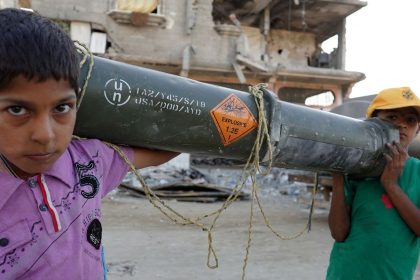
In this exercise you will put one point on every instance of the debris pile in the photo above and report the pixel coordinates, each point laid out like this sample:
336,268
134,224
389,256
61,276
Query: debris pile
179,184
211,184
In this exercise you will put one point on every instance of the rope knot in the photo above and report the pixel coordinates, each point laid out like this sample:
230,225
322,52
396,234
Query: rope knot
257,90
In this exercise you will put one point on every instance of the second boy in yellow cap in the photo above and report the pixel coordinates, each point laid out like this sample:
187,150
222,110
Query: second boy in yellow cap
376,221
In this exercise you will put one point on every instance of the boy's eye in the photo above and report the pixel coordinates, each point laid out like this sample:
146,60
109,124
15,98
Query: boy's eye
63,108
412,120
391,117
17,110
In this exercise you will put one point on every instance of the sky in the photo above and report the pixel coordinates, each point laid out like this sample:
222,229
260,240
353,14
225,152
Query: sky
383,42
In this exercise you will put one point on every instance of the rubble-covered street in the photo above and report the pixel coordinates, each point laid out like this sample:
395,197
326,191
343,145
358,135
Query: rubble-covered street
141,243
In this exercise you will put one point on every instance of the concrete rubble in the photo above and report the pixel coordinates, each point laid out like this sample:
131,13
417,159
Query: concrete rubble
170,182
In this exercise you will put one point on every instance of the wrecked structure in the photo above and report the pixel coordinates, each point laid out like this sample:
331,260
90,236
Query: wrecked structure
225,42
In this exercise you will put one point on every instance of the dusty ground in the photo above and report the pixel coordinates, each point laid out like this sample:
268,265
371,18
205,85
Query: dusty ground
140,243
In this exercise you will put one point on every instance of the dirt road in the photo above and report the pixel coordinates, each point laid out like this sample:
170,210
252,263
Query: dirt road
140,243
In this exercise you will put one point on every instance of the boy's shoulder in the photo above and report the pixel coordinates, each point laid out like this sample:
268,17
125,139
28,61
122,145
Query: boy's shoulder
79,144
88,149
412,169
94,149
413,161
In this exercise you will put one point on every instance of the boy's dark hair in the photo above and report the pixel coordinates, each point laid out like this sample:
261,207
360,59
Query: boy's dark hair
36,48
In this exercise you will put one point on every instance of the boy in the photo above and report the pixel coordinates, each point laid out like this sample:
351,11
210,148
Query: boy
51,186
376,221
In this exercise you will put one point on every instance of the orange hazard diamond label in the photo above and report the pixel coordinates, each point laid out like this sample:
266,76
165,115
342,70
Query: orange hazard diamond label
233,119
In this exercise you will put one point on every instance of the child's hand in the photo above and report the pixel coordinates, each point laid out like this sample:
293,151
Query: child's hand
396,158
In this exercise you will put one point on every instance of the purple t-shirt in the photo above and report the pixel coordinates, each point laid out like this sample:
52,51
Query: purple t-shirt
50,224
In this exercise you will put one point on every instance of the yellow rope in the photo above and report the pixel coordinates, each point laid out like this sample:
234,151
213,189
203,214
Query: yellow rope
263,135
251,168
82,49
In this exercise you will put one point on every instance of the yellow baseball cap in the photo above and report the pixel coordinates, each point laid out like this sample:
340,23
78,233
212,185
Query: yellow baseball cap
394,98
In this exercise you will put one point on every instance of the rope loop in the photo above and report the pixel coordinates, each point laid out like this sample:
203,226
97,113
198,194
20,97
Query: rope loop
251,169
87,54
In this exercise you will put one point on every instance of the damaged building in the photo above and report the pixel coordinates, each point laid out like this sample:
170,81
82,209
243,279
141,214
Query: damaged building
225,42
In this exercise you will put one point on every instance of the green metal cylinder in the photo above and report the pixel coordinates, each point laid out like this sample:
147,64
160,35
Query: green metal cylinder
317,140
136,106
131,105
